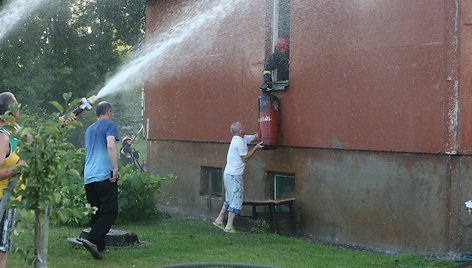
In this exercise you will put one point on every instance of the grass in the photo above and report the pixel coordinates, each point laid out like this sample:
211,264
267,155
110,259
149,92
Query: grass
178,240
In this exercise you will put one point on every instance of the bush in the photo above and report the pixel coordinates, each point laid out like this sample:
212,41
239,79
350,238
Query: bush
137,193
74,197
136,197
51,181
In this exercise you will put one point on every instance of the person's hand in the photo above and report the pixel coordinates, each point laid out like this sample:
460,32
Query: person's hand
21,163
260,145
72,117
266,86
115,176
64,121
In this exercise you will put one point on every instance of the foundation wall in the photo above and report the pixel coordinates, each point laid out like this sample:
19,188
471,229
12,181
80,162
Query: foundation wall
393,202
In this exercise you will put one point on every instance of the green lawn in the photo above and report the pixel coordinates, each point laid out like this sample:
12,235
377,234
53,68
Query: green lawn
178,240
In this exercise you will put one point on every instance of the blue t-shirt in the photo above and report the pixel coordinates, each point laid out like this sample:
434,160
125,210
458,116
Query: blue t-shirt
98,166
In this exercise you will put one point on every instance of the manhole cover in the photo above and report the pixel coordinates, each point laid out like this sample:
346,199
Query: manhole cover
114,238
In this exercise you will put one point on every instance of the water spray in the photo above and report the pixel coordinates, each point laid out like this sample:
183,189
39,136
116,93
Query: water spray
13,13
159,47
85,104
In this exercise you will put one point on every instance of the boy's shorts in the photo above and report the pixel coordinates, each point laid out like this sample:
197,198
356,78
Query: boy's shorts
7,223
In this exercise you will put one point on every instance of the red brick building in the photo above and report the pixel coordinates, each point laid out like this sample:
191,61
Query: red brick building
375,135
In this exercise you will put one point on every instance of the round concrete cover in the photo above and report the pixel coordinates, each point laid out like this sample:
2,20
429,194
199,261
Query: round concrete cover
114,238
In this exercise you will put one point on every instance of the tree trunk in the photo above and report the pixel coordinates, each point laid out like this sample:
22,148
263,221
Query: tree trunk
41,233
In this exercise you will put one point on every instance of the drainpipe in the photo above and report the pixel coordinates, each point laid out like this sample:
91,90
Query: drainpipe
452,8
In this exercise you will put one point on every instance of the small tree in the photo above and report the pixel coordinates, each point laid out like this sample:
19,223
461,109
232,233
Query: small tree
50,183
53,164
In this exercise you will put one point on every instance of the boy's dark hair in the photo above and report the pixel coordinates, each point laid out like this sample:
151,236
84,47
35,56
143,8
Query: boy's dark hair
103,107
6,98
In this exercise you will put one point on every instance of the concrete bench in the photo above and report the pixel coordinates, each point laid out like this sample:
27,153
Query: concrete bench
271,203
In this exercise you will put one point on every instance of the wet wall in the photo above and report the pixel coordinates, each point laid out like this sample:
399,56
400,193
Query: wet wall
369,75
216,81
376,75
465,78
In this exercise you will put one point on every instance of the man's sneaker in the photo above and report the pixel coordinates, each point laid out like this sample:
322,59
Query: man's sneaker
231,230
92,248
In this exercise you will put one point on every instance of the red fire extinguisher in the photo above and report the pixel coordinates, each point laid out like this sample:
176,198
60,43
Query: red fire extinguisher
269,114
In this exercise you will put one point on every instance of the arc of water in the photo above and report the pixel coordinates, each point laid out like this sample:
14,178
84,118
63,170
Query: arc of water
14,12
162,43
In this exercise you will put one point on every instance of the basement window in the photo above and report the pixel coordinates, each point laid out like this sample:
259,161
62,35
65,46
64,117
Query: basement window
211,181
284,186
280,186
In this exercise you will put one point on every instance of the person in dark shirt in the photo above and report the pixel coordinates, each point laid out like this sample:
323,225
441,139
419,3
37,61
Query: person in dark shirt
279,60
129,155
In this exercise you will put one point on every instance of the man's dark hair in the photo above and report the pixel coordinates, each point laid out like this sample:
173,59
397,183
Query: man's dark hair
6,98
103,107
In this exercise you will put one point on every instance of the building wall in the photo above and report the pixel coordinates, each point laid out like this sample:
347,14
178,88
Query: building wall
374,122
465,85
348,58
214,75
393,202
368,75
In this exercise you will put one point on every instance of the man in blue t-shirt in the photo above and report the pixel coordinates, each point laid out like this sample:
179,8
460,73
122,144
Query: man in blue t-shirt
100,177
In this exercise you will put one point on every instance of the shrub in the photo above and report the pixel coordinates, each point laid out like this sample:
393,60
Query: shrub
137,193
136,197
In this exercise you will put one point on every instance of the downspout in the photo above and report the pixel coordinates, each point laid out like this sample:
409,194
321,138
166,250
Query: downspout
452,84
452,20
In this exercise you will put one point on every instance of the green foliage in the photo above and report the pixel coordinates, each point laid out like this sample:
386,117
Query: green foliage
73,196
53,177
53,172
53,166
136,198
51,185
24,220
69,46
137,193
263,228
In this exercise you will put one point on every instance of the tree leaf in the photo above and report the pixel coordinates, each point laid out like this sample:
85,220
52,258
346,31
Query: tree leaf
66,96
57,106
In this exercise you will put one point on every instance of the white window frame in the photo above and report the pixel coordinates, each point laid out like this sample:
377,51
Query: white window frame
275,37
